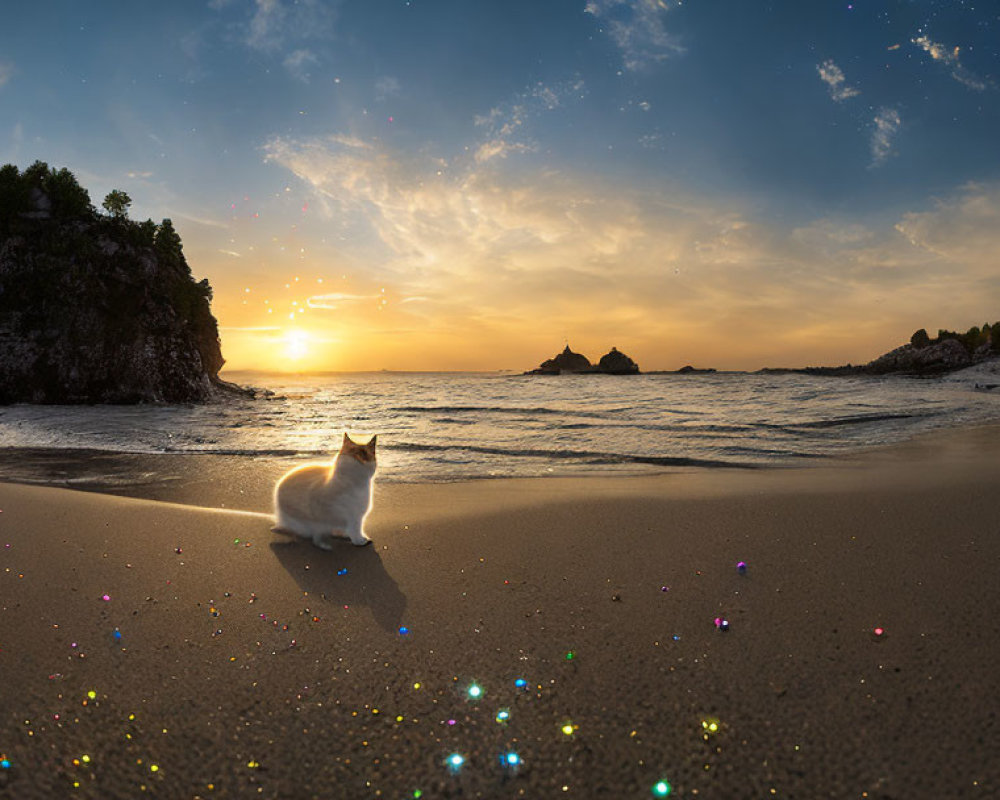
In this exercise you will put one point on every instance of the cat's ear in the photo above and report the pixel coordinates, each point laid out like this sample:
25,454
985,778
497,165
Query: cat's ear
371,443
346,444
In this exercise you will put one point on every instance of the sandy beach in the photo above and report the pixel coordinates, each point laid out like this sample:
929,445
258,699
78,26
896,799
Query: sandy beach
181,650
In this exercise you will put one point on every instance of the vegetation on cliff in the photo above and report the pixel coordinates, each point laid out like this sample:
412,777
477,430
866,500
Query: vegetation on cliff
95,307
985,339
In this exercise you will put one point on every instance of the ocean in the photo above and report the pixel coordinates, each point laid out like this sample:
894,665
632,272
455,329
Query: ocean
457,426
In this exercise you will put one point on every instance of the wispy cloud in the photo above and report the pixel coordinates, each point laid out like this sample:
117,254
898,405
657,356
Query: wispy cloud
334,300
504,125
485,249
266,29
963,229
386,87
833,77
886,125
282,26
639,29
298,63
6,72
949,57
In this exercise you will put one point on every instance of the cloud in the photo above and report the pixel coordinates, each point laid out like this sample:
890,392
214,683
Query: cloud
276,26
525,257
335,300
504,125
386,87
886,125
833,77
6,72
637,27
962,229
298,63
948,56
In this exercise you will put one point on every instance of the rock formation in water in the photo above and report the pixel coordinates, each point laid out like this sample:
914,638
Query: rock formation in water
616,362
947,352
567,362
944,356
94,308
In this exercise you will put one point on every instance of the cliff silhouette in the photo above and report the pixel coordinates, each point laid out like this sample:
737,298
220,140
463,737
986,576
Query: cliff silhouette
97,308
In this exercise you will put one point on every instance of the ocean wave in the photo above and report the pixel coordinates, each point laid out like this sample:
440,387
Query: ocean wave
587,456
607,413
836,422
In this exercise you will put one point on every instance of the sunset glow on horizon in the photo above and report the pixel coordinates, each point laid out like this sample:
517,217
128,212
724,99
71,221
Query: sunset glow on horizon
451,185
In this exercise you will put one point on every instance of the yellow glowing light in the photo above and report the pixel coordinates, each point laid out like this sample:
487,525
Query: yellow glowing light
296,344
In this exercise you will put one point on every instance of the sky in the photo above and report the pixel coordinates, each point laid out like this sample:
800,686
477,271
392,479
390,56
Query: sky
471,184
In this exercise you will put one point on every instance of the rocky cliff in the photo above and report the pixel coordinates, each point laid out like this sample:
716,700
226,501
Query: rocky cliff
94,308
923,356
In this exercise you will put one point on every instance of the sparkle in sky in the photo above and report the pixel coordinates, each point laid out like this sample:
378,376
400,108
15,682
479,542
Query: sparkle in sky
447,185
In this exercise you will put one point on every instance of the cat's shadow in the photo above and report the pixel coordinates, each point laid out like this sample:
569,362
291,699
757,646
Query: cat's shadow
346,575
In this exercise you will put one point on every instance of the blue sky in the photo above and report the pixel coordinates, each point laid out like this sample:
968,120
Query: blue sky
405,184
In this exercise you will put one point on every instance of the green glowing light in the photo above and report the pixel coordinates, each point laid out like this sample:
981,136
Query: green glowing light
661,789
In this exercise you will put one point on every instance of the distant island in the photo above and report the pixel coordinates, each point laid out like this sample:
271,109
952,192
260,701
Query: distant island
922,356
97,308
614,362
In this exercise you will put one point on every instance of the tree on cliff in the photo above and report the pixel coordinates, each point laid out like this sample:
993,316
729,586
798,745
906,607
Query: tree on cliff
117,203
41,190
167,240
920,339
95,307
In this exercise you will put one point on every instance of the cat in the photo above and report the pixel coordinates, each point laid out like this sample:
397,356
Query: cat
323,502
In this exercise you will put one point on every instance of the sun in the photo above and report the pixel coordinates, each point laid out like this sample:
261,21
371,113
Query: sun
296,344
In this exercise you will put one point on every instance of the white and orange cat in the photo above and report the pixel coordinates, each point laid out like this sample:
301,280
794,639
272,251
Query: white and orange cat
323,502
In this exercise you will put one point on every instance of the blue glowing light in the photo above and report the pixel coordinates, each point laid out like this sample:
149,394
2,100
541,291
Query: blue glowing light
5,764
455,761
475,691
503,715
520,683
661,789
511,759
403,630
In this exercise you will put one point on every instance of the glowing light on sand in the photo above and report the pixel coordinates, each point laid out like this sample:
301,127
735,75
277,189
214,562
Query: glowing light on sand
475,691
568,728
511,759
455,761
661,788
